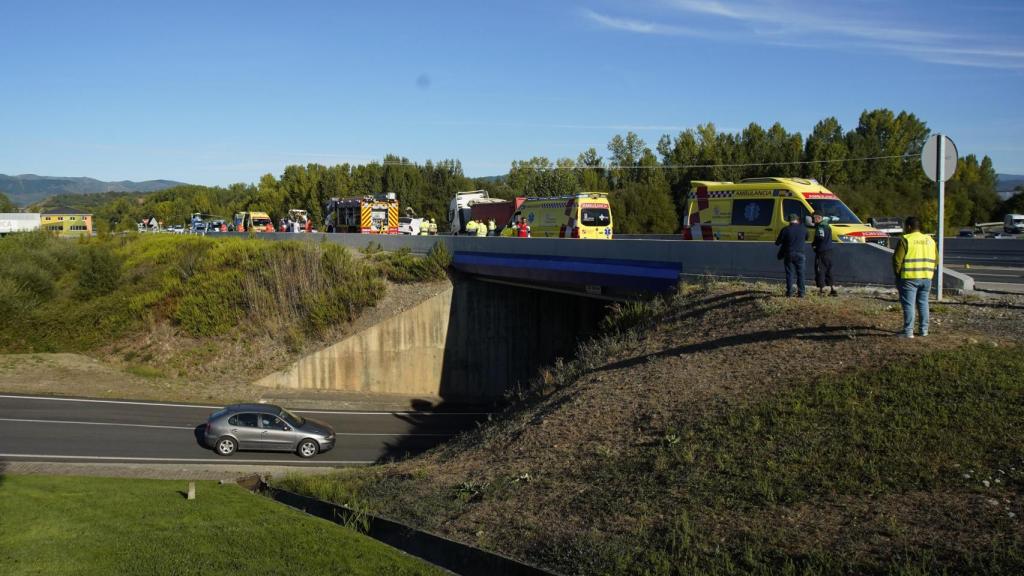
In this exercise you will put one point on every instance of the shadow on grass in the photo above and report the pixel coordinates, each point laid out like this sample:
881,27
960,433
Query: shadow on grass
829,333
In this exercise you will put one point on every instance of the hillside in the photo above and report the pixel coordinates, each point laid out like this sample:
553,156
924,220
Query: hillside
184,317
25,189
730,431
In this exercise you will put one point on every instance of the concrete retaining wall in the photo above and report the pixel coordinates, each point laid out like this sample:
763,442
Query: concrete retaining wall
471,343
366,362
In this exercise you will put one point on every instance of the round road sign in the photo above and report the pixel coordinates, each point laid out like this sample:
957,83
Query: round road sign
930,160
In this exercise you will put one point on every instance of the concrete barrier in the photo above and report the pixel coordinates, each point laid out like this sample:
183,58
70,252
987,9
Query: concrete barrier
853,264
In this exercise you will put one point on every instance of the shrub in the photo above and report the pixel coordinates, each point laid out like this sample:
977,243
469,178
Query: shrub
99,270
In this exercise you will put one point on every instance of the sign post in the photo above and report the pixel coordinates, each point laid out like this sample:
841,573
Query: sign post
939,159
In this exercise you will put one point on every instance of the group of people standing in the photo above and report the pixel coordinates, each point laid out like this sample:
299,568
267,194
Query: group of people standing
428,227
479,228
791,242
913,262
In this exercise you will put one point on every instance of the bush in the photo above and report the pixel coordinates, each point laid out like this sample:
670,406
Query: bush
100,270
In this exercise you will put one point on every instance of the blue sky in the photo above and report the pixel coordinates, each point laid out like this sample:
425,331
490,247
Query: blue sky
221,92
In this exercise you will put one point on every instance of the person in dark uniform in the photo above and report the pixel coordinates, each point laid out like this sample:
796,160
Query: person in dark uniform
822,244
791,242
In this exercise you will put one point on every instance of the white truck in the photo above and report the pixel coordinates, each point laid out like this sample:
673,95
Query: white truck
1013,223
461,210
18,222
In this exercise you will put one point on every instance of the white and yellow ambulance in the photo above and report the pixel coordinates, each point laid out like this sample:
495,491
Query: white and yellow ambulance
759,208
584,215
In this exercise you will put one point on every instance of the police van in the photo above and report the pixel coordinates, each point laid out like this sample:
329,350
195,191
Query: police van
759,208
584,215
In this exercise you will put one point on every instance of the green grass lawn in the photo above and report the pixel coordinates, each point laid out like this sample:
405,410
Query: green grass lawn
72,525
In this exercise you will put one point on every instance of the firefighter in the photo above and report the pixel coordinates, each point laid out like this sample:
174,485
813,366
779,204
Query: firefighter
424,227
433,227
491,228
524,228
471,228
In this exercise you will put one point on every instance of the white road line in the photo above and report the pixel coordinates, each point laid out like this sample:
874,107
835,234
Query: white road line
96,423
203,460
34,421
167,405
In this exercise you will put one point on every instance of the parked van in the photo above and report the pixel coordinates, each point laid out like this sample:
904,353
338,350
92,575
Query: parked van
1013,223
758,209
585,215
253,222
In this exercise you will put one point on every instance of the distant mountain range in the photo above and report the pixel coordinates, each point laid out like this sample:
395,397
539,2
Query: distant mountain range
26,189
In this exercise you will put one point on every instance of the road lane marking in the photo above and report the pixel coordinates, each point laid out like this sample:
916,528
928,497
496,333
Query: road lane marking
95,423
36,421
167,405
203,460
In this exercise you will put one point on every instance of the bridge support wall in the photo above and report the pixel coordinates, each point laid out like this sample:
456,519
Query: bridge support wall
471,343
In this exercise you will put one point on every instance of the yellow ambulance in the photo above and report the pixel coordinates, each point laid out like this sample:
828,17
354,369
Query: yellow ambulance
758,209
584,215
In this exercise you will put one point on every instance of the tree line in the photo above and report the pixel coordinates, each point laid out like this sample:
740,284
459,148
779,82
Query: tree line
874,167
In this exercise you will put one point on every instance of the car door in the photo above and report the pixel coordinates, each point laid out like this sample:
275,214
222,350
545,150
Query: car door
276,434
245,427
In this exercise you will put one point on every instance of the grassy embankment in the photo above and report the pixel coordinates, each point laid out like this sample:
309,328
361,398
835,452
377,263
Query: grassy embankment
68,525
727,431
188,306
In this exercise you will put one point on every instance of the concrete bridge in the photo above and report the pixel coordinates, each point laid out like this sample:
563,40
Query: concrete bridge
478,340
621,268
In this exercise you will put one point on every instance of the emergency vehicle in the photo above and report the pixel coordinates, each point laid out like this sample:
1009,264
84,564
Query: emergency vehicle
585,215
253,222
365,215
759,208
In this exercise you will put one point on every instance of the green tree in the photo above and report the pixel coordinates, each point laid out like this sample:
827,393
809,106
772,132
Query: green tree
6,205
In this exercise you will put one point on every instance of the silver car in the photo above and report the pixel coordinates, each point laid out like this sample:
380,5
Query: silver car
266,427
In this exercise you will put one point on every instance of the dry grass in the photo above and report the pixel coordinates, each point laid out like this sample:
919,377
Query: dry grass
732,431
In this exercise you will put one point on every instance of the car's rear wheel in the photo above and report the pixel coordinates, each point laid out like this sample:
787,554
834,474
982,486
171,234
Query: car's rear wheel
308,448
226,446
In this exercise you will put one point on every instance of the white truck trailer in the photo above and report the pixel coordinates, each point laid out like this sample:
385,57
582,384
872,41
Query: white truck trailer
18,222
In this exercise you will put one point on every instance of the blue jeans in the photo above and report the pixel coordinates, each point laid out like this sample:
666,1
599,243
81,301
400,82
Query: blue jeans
795,266
914,292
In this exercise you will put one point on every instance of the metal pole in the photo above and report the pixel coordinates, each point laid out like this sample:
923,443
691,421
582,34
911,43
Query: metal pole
942,209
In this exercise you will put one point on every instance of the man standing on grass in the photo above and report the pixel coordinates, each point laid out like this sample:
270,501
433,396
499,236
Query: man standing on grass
913,263
791,242
822,244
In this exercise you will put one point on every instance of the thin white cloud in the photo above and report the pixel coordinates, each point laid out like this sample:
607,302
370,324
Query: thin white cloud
779,22
642,27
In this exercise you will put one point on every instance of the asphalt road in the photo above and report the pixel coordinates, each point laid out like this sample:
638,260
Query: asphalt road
34,429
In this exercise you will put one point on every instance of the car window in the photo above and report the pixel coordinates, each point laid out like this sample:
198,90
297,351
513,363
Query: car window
247,420
595,217
752,212
271,422
790,206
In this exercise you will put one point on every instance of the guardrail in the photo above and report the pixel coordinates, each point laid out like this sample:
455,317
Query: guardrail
853,264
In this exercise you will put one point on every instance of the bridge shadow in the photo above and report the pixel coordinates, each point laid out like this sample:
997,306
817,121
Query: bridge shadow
824,333
498,339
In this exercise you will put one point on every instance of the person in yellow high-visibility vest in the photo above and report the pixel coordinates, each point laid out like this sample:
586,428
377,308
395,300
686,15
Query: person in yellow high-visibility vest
481,229
471,228
913,263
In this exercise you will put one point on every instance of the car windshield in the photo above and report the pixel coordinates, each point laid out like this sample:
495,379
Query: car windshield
260,221
292,419
834,208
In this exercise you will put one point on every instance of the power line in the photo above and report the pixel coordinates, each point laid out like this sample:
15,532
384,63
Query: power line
689,166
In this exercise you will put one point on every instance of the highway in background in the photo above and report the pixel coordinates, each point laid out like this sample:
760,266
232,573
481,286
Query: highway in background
995,265
44,429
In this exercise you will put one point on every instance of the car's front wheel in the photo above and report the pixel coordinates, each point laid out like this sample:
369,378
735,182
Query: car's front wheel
226,446
308,448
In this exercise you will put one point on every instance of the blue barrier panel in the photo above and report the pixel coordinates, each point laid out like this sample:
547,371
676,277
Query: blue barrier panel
635,275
